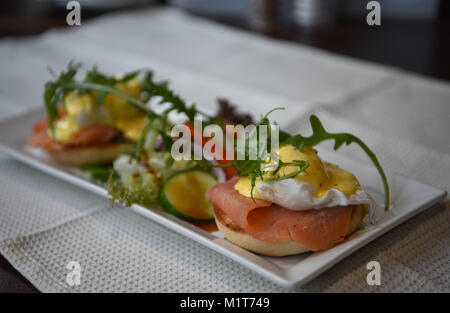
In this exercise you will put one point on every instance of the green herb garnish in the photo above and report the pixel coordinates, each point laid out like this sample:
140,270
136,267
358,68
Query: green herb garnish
320,134
100,173
252,168
135,190
56,90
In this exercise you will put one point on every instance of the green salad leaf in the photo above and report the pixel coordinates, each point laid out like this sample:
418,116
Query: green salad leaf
56,90
135,190
252,168
162,90
320,134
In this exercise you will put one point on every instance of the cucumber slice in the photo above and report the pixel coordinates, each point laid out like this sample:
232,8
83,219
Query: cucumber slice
183,195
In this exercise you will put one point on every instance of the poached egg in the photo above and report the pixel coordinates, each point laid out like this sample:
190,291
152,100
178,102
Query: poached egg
81,109
321,185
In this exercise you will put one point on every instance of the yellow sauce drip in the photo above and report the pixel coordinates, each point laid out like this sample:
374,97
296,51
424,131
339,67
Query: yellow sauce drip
82,110
322,175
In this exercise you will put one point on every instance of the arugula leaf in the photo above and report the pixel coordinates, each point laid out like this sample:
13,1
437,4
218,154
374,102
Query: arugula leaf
302,166
257,173
252,168
162,90
56,90
320,134
246,166
94,77
108,89
129,76
167,140
142,138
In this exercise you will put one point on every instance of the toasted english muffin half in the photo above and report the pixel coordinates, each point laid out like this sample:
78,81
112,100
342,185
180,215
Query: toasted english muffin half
241,238
93,154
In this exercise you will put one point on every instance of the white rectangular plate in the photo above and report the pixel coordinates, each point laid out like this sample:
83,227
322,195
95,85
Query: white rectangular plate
408,199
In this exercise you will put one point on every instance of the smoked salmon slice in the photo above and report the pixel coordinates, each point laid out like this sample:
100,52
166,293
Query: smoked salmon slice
95,134
316,229
40,137
40,126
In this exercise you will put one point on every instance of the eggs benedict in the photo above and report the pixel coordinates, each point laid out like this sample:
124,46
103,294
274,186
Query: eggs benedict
313,211
86,124
306,204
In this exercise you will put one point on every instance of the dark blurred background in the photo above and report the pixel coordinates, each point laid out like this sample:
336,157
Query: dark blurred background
414,34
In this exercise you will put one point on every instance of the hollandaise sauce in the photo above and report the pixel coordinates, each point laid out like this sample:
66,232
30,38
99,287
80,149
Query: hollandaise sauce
322,175
82,109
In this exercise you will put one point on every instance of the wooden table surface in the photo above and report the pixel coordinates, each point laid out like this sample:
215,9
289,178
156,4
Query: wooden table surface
418,46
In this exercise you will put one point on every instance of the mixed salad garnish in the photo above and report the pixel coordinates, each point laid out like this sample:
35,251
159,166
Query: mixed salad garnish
150,176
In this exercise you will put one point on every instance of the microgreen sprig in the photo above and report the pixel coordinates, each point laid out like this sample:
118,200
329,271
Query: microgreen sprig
56,91
320,134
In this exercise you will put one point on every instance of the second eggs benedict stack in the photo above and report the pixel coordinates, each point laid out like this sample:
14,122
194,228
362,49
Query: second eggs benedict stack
91,128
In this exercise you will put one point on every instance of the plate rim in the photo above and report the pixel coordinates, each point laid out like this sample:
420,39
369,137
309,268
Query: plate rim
280,276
